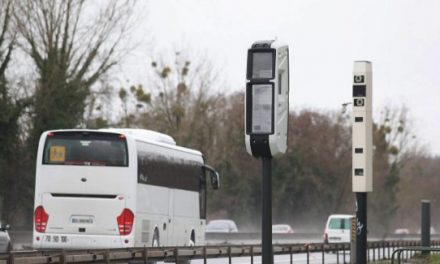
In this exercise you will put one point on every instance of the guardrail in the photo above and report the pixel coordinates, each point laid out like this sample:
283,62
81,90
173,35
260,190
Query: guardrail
23,238
182,254
410,251
166,254
255,238
297,237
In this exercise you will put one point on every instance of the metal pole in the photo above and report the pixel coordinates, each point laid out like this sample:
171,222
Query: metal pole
374,251
426,225
337,253
343,253
388,248
378,250
176,255
252,255
291,254
267,256
308,254
361,228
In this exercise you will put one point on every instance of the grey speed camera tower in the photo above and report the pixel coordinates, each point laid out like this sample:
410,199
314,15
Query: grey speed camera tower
362,172
266,119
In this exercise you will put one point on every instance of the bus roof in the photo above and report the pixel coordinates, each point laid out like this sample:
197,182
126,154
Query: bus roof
143,135
152,137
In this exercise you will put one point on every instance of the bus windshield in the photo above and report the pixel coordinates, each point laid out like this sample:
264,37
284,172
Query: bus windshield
86,149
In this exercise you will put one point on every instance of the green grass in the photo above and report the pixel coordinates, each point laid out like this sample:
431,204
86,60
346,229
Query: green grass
434,259
431,259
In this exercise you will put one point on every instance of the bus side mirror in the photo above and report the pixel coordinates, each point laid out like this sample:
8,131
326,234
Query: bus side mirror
215,177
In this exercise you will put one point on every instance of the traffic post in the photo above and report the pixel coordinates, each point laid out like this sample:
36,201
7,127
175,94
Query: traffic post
266,119
425,228
362,171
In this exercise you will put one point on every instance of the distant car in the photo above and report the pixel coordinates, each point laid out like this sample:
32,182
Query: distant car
401,231
432,231
5,240
282,229
221,226
337,229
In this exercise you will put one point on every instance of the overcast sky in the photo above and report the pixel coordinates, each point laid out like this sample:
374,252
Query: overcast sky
400,37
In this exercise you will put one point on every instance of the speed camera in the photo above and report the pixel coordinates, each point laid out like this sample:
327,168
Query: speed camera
362,171
267,99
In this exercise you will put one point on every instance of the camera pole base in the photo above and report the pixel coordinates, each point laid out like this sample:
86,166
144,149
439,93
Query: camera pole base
266,235
361,228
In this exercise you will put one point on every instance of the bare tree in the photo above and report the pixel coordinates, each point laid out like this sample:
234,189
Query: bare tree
395,145
185,101
11,108
399,135
6,44
72,43
5,102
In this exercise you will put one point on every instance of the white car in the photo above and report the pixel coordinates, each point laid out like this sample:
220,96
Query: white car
5,240
282,229
337,228
401,231
432,231
221,226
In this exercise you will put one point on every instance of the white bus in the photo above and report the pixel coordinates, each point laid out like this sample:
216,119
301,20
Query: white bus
117,188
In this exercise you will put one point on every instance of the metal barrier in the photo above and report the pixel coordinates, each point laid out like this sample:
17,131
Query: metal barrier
407,250
22,239
182,254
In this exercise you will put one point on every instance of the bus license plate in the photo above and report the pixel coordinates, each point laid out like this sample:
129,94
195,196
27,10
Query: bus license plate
88,220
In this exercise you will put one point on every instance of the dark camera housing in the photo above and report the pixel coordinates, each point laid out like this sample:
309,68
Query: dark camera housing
359,90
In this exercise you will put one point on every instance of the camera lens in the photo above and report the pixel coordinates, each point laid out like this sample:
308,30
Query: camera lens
359,102
359,78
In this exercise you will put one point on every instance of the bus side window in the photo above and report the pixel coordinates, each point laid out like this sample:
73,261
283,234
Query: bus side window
202,194
202,180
